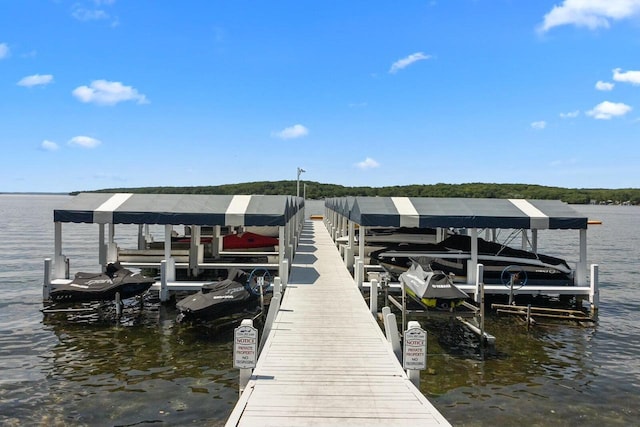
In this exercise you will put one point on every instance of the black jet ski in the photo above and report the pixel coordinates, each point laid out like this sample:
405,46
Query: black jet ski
238,292
102,286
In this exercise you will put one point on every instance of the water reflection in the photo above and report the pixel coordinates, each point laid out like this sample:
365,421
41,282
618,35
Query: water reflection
143,369
546,366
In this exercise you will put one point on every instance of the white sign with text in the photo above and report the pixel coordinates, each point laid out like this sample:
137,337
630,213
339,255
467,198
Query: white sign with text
245,347
415,349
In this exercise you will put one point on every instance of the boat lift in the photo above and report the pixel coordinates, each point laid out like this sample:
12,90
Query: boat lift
471,316
529,314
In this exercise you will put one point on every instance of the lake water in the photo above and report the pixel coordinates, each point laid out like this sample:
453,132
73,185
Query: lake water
148,370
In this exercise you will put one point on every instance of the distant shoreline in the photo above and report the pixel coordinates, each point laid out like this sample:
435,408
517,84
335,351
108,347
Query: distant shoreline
33,194
319,191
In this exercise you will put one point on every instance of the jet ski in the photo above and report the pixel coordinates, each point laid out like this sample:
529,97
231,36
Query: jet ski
86,287
238,292
433,289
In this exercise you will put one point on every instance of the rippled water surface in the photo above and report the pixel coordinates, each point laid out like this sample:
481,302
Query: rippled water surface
87,369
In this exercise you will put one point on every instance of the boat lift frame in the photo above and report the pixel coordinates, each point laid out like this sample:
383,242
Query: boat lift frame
472,317
339,222
102,209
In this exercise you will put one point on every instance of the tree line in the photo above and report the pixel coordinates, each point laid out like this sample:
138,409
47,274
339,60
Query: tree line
316,190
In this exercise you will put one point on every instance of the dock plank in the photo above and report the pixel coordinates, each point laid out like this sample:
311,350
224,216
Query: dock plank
326,361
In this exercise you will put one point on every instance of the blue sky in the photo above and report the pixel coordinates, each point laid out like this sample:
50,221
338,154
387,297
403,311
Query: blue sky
122,93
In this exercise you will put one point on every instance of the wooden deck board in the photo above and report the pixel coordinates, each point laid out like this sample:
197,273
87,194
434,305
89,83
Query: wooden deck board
326,361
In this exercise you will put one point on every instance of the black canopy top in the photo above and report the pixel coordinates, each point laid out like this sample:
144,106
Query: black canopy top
177,209
427,212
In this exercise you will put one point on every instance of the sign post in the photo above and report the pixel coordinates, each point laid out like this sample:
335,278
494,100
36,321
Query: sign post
415,351
245,350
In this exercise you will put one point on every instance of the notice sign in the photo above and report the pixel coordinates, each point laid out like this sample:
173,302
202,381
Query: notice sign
245,347
415,349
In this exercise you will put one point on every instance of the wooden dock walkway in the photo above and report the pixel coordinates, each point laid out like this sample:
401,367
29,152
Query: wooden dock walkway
326,361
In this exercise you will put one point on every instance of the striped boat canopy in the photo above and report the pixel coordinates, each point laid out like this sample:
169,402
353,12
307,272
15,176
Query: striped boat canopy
178,209
427,212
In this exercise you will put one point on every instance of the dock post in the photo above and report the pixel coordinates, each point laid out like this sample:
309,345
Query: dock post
170,271
385,311
360,267
594,292
46,286
277,285
415,351
350,245
102,248
285,274
59,260
479,283
356,271
163,294
391,331
348,257
480,299
373,297
581,270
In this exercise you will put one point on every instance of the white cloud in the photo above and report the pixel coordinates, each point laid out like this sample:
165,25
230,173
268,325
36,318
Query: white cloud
94,12
48,145
367,163
292,132
605,86
570,115
82,14
606,110
632,77
84,142
539,125
4,50
103,92
591,14
36,80
405,62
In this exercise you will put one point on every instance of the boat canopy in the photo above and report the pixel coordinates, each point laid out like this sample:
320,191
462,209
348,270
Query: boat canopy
179,209
430,212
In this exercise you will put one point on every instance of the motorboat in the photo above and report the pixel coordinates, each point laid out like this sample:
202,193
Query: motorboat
378,236
433,289
240,291
243,241
501,262
86,287
248,241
